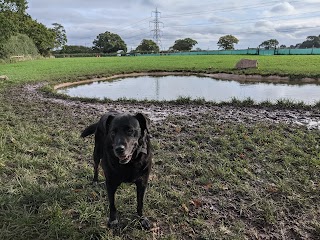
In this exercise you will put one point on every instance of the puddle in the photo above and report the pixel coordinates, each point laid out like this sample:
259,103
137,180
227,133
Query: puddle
172,87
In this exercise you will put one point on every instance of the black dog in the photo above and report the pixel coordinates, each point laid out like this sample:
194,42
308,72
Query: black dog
122,144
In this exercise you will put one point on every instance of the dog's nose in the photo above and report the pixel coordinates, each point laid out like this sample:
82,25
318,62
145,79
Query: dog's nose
120,149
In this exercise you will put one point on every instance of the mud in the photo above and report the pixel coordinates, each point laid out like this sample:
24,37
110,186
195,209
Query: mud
159,111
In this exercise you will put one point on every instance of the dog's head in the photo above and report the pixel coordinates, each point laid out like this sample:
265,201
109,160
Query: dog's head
127,134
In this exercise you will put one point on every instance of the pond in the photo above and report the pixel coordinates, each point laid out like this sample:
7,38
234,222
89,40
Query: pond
172,87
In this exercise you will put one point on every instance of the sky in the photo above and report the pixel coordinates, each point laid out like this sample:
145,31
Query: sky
252,22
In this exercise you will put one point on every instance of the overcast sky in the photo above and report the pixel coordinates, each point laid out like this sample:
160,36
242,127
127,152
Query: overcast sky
205,21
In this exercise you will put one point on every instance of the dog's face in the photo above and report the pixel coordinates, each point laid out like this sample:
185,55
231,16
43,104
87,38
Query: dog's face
125,131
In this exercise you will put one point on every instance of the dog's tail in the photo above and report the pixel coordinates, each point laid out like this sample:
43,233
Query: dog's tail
89,130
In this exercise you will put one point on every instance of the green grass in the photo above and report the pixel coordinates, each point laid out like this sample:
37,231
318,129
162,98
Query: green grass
72,68
210,179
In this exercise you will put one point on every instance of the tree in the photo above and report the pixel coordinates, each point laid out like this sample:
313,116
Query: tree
7,27
43,37
11,12
147,46
60,35
14,20
109,43
184,44
272,43
227,42
71,49
19,6
311,42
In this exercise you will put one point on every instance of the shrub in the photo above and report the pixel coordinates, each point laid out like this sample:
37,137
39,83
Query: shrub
17,45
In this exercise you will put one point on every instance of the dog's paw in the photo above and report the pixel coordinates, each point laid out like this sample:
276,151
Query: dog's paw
113,223
145,223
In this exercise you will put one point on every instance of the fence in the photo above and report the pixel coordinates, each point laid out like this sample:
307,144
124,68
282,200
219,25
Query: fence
279,51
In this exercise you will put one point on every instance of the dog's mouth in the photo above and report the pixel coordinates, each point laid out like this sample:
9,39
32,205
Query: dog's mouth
126,155
124,159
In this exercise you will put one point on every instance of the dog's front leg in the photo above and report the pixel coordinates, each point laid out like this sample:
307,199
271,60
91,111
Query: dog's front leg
96,161
111,189
141,189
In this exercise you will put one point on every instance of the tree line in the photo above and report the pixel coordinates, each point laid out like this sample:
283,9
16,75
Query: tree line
110,43
17,28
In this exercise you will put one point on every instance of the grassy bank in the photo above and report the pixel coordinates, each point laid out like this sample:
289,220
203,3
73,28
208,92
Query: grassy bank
211,179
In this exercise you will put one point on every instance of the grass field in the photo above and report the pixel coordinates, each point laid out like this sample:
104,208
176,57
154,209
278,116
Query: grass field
211,179
70,68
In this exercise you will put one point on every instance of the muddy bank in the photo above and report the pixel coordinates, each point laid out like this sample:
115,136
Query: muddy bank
158,112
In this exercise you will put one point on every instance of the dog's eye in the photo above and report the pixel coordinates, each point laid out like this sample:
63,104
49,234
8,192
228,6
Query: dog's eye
130,132
112,134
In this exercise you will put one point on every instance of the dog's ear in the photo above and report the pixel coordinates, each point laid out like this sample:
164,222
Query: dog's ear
144,122
105,121
108,122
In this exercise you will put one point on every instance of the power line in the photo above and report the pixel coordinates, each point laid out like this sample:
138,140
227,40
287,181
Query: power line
251,20
222,23
158,33
216,10
134,23
227,9
123,27
285,30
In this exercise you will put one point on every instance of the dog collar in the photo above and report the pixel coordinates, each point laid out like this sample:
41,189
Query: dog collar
142,149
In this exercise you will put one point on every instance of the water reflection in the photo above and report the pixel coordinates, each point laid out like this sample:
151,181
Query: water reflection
172,87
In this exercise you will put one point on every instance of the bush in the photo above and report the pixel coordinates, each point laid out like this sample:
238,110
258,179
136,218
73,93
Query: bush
18,45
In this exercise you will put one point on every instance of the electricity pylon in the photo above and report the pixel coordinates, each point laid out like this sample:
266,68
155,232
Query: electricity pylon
156,28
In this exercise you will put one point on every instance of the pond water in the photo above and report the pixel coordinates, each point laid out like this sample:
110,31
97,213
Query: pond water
173,87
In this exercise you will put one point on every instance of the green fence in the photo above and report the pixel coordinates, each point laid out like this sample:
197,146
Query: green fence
308,51
280,51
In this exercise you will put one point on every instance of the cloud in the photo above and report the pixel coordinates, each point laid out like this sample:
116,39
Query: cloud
284,8
264,24
205,21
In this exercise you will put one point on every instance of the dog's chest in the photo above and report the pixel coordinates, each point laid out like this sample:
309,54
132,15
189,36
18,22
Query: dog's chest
131,173
125,173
